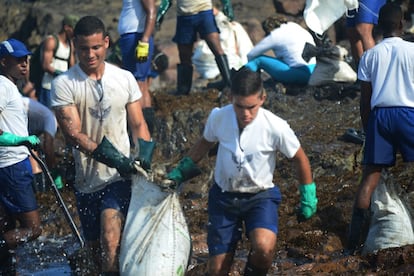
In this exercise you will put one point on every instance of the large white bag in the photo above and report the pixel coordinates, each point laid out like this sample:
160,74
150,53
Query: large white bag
319,15
235,42
156,240
391,224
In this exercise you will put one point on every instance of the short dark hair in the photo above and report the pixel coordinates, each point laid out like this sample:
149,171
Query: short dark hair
390,17
89,25
246,82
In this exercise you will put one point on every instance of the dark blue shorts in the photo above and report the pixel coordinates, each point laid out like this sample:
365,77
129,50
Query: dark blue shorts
367,12
227,212
16,191
116,195
127,43
389,130
189,25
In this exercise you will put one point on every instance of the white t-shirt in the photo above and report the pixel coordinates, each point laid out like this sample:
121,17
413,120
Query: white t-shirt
132,18
287,43
389,66
246,162
102,110
13,119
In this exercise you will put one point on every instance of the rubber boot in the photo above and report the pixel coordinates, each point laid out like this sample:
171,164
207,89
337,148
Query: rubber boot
149,116
184,79
223,65
4,251
357,228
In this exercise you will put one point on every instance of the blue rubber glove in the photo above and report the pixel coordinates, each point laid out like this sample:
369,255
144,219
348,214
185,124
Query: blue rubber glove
9,139
228,9
308,200
146,150
162,10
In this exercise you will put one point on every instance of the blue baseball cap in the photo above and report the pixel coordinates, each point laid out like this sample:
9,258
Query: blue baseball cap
14,48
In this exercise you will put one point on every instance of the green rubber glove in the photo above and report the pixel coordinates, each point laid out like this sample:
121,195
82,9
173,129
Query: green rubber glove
57,73
106,153
9,139
142,51
308,200
228,9
162,10
146,149
185,170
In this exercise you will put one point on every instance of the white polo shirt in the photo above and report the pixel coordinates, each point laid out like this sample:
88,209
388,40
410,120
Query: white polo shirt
246,162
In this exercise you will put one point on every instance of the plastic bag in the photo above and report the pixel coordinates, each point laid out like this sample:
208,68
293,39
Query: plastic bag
319,15
156,240
330,65
391,224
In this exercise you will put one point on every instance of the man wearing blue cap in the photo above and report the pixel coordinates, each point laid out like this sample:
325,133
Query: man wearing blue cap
17,199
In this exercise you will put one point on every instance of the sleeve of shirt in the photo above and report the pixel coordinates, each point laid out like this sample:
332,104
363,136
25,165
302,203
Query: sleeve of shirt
286,142
363,72
267,43
61,94
210,127
135,92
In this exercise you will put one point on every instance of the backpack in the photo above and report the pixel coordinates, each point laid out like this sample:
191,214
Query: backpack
36,68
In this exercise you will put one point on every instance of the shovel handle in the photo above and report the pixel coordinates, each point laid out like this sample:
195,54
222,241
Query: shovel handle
59,198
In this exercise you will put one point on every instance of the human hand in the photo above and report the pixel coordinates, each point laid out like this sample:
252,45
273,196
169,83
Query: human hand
10,139
228,9
142,51
185,170
308,200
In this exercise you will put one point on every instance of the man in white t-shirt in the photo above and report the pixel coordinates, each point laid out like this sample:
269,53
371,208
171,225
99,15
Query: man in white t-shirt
94,101
249,137
17,199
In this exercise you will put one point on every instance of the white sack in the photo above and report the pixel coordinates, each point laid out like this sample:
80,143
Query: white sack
319,15
391,224
235,42
156,240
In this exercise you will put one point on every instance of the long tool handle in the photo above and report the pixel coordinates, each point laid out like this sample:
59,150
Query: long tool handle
59,199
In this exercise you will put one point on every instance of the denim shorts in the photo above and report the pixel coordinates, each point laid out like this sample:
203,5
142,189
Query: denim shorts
127,43
227,211
16,191
390,130
189,25
367,12
116,196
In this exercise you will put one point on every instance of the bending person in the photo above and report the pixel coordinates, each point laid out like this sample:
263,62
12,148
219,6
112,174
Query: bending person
287,40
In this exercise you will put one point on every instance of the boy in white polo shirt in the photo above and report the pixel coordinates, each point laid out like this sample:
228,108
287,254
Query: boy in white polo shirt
248,137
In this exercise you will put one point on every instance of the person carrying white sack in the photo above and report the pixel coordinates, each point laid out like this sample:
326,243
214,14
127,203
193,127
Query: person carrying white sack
287,40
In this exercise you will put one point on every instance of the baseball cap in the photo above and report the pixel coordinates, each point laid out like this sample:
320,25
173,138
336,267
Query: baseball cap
14,48
70,20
